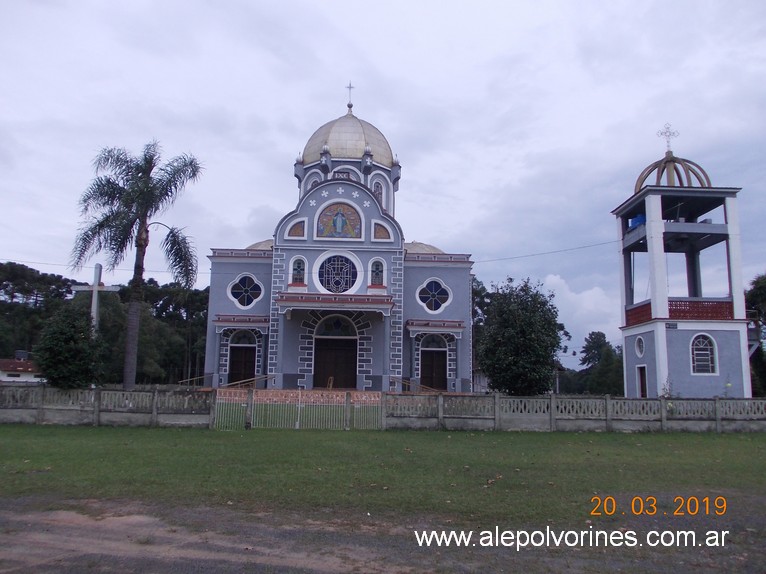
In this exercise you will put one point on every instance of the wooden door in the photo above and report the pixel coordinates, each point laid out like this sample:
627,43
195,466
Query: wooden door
335,358
241,363
641,373
433,369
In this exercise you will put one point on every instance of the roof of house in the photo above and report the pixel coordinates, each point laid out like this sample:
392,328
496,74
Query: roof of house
17,366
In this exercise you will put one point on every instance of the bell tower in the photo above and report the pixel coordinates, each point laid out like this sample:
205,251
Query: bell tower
687,344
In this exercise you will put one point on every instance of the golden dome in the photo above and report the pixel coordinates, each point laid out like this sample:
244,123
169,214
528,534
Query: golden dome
348,137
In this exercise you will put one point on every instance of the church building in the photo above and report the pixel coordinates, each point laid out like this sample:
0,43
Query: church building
337,298
682,335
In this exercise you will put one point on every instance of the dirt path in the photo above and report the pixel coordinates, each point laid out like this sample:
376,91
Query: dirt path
99,536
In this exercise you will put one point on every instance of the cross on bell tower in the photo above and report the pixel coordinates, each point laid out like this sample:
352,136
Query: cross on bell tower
667,133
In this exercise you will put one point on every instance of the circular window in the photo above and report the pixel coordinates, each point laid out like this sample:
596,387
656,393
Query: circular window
433,295
337,274
640,346
245,291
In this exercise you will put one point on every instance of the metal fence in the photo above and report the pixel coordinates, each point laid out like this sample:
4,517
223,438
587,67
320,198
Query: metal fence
238,409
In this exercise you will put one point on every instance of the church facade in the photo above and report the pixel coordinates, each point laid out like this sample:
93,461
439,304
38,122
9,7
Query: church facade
337,298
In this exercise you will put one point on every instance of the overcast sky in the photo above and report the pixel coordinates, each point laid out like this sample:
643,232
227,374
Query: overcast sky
519,125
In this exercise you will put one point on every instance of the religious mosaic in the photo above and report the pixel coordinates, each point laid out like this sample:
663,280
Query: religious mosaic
380,232
297,230
339,220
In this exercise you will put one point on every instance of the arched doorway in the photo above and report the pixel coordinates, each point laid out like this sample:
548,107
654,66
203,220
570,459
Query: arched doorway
433,362
243,352
335,353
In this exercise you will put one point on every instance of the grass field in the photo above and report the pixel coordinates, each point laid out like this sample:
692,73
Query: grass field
480,477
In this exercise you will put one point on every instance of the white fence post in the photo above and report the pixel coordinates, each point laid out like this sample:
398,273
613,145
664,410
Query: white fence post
383,396
552,407
718,426
347,412
213,401
608,412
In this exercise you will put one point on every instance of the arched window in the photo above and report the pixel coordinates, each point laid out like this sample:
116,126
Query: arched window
703,355
433,342
242,338
299,272
335,326
377,191
376,273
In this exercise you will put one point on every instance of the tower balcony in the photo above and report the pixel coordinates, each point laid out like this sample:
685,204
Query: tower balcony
683,308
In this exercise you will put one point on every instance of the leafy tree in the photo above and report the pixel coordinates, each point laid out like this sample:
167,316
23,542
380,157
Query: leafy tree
22,284
595,344
521,335
603,366
571,382
755,300
758,372
185,312
120,204
755,297
605,377
481,298
27,299
68,353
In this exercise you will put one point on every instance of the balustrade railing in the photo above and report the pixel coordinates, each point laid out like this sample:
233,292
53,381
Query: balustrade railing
337,409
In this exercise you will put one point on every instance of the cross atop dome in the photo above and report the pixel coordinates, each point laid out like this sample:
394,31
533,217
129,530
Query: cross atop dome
349,88
666,133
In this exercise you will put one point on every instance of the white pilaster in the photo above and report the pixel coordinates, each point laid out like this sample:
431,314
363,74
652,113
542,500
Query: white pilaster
734,256
623,278
661,356
658,274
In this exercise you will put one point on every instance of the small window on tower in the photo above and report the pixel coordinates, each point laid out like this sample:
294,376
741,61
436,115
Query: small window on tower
640,346
377,191
703,355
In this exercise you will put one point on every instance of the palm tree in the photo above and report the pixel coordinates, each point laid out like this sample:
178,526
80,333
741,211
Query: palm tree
119,205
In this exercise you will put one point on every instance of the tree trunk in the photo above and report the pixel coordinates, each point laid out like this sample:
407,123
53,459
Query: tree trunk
131,345
134,310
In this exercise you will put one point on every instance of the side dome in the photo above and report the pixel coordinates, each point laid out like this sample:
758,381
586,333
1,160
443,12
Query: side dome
677,171
264,245
348,137
418,247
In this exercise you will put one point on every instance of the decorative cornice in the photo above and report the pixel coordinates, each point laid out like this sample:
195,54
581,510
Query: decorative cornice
416,326
290,300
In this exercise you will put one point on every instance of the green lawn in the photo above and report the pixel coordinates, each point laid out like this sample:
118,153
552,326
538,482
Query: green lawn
479,476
